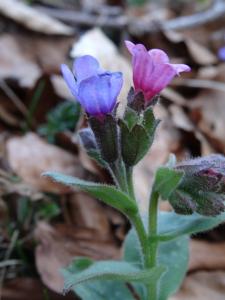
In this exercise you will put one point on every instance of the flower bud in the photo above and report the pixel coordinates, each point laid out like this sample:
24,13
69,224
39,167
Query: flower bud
202,188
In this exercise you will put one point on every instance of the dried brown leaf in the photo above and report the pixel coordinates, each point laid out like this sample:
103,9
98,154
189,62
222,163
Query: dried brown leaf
60,244
32,19
29,156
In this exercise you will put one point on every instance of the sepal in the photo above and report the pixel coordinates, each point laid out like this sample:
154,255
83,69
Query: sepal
137,134
106,135
137,102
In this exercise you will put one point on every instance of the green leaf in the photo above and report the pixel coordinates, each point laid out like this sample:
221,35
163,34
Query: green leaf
63,117
106,193
172,225
97,290
100,290
166,181
48,210
172,254
108,270
173,249
24,208
175,255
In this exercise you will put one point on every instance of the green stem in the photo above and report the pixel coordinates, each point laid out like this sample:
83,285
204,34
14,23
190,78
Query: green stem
118,172
142,235
153,244
130,186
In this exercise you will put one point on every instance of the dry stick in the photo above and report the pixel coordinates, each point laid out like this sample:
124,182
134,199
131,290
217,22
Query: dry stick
85,18
138,27
201,83
214,12
13,97
7,256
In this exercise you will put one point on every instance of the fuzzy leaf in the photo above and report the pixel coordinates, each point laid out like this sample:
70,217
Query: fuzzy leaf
106,193
172,254
107,270
96,290
172,225
166,181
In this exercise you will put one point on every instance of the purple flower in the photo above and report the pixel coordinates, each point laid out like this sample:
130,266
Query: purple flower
152,71
95,88
221,53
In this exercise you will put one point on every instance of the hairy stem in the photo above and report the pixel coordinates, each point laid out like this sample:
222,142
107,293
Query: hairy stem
153,244
118,173
130,186
142,235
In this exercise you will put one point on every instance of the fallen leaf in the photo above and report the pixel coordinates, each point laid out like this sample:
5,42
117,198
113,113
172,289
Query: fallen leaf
15,63
22,288
202,285
32,19
29,156
207,256
87,212
60,244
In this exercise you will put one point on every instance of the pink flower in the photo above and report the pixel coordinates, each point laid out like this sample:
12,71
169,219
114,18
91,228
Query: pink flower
152,71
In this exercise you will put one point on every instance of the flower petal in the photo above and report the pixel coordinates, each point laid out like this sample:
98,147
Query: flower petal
142,67
181,68
221,53
85,66
69,79
159,56
130,46
160,78
98,94
109,86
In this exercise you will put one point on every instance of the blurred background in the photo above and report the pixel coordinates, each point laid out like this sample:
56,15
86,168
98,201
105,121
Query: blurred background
44,225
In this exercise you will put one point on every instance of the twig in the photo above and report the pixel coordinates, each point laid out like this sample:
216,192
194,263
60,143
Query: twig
13,97
85,18
137,26
214,12
201,83
9,263
7,256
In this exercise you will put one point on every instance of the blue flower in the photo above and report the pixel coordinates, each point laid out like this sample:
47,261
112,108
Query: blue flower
95,88
221,53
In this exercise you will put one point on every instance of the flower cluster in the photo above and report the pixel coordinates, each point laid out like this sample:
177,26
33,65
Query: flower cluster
97,90
195,188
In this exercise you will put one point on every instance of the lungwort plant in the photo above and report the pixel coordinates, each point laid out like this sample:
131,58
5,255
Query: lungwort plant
155,255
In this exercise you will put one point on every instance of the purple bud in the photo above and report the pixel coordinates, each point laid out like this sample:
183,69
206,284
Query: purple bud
93,87
203,187
152,71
